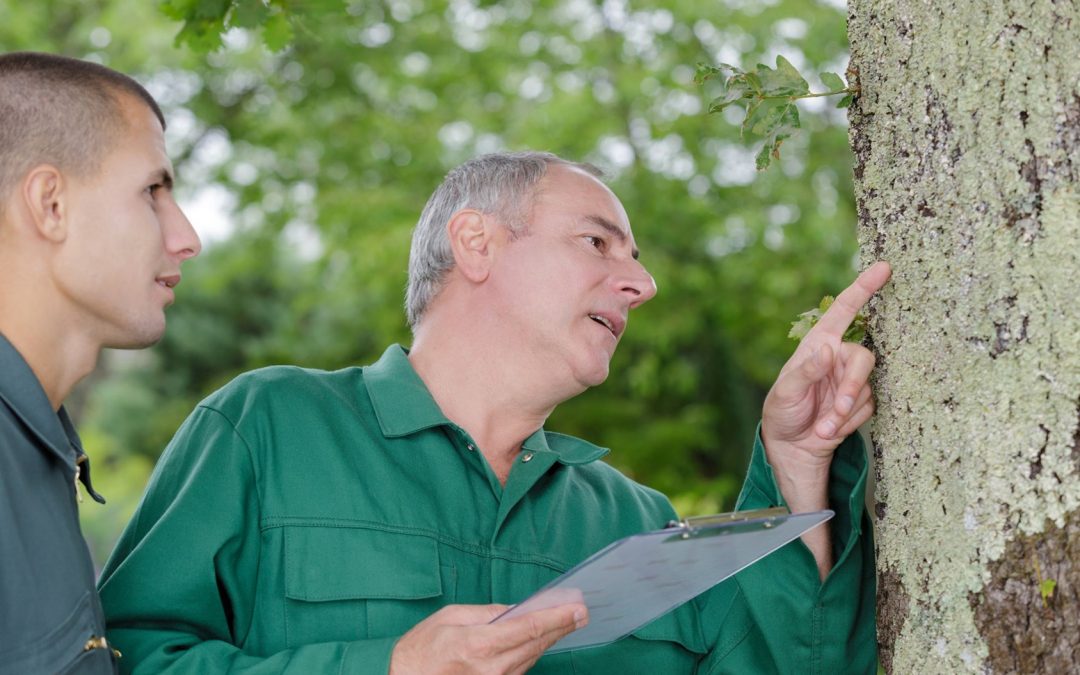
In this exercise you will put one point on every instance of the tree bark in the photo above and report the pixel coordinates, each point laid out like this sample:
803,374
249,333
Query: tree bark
966,133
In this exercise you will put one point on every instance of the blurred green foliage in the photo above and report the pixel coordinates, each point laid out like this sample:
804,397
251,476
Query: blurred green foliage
321,128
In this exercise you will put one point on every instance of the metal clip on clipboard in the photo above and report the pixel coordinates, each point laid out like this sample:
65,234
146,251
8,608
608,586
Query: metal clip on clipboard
704,526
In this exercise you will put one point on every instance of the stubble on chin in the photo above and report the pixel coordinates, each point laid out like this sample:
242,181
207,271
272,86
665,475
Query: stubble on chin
139,334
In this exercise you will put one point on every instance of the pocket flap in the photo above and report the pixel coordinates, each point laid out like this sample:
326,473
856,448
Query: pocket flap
58,650
348,563
681,625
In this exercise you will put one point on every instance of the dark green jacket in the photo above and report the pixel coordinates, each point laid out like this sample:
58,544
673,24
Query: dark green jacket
49,610
302,521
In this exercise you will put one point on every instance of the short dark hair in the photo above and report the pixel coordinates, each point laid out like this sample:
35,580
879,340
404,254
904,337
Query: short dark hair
61,111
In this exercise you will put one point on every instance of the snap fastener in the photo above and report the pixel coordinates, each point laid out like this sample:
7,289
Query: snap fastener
96,642
527,457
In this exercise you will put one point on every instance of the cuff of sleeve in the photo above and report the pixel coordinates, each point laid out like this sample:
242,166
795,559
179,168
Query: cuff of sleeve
847,487
760,490
368,656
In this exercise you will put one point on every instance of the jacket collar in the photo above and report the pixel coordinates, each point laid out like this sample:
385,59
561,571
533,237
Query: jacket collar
23,394
403,405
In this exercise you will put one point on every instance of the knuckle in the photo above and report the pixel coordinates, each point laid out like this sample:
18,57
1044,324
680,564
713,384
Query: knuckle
470,644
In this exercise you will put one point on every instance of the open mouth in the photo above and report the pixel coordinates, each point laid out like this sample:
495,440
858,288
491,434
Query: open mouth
604,322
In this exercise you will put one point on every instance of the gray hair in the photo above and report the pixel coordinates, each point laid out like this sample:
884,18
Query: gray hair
61,111
499,184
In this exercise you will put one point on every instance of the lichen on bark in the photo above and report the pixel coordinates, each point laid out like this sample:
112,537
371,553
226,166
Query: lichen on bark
967,141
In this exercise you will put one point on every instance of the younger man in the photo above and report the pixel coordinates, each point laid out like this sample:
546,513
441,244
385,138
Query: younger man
91,243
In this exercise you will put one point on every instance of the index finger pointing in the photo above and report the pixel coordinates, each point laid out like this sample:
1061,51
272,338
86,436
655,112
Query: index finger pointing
839,316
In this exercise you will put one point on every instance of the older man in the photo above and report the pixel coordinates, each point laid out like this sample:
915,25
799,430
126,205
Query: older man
376,519
91,244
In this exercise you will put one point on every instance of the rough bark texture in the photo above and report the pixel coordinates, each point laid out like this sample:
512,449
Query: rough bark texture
1025,632
967,142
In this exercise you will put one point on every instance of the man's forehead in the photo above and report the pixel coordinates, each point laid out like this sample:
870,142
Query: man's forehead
143,129
572,186
575,174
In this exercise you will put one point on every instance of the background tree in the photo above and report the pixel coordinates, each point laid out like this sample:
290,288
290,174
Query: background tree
967,143
321,131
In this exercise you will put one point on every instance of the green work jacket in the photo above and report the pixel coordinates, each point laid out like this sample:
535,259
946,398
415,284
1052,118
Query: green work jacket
301,521
50,617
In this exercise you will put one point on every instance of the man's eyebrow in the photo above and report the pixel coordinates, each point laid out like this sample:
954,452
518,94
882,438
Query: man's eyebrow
614,229
164,177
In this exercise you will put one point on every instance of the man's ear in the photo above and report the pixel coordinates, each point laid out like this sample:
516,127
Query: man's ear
470,233
45,200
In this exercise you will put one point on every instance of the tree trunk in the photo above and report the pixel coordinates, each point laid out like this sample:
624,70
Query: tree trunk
967,141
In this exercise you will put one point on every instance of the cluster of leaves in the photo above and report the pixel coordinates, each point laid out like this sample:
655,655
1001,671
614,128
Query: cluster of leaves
807,320
768,95
205,21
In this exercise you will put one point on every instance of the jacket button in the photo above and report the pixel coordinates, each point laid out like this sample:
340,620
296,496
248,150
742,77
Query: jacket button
527,457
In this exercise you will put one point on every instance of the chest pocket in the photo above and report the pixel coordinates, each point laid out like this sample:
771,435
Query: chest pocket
62,650
352,583
671,644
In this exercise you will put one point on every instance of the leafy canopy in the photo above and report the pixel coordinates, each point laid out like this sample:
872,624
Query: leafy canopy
319,129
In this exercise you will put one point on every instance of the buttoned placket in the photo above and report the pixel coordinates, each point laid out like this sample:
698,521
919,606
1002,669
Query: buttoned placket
527,469
476,459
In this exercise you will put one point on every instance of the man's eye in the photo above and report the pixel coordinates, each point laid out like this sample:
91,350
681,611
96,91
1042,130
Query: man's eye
595,242
152,189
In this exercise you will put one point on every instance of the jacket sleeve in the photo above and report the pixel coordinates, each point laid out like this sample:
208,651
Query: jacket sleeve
779,617
179,591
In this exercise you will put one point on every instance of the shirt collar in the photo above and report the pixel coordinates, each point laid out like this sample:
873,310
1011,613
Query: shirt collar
23,394
568,449
403,405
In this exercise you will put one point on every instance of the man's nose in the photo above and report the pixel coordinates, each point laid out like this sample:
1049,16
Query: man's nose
181,237
636,283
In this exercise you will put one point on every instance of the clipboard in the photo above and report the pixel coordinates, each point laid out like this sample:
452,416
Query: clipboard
639,578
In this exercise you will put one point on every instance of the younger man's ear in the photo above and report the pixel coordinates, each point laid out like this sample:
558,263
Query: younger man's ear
469,232
44,196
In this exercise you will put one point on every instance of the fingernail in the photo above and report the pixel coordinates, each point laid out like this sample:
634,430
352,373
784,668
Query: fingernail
828,428
846,403
579,616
